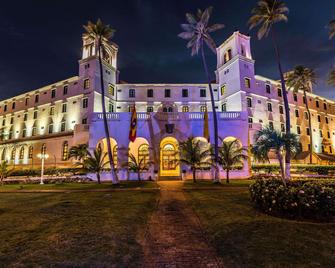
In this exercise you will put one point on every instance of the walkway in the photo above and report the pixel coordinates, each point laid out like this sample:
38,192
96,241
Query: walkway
174,237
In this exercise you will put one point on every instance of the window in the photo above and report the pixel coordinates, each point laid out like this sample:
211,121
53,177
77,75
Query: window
62,126
326,119
306,115
35,115
33,132
30,152
87,83
64,108
11,120
330,149
131,93
13,105
65,151
298,130
52,110
271,124
250,120
269,107
53,93
317,104
249,102
328,134
202,93
223,89
224,107
65,90
85,103
110,107
26,101
25,117
111,90
21,153
321,134
10,134
203,108
150,93
319,118
247,82
37,97
43,148
4,122
12,156
282,127
324,106
185,109
84,121
51,128
295,97
281,109
184,93
24,133
5,108
167,93
268,88
150,109
307,131
279,92
296,113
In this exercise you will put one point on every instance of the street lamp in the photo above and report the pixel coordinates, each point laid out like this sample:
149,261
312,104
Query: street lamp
42,157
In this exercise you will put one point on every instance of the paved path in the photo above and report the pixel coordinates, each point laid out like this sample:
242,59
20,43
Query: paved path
174,237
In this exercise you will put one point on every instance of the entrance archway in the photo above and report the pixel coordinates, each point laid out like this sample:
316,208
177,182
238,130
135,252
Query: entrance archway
169,158
103,146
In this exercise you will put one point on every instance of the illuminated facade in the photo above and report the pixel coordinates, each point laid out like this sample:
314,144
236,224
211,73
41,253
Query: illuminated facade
66,113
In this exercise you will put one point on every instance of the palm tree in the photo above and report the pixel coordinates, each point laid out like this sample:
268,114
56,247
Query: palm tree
137,166
303,78
79,152
4,172
231,154
268,140
265,15
95,162
193,154
331,77
197,31
101,33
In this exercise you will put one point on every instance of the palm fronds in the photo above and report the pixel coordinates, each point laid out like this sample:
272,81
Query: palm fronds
95,162
331,78
331,29
301,78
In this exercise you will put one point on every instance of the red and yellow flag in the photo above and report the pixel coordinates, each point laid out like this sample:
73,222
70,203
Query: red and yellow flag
133,125
206,128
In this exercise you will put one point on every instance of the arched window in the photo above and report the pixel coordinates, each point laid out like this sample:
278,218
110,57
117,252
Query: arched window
21,154
30,152
12,156
203,108
185,109
65,151
143,155
43,148
3,155
165,110
170,110
51,128
115,155
63,125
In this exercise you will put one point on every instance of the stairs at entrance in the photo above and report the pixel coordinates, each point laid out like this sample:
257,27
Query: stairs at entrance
169,178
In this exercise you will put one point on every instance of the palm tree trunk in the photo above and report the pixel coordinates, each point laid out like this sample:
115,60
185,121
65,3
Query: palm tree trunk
286,106
194,174
109,149
215,120
139,175
282,171
310,129
98,178
227,175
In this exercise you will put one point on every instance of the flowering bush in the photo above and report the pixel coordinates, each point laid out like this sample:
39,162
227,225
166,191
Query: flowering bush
299,199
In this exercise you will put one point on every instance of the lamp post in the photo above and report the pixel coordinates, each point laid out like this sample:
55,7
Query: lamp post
42,156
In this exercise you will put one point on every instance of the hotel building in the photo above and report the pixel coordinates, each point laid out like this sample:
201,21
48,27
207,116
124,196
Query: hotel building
66,113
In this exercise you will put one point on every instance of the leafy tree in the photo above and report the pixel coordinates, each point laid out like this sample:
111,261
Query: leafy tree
95,162
101,33
197,32
231,154
137,166
193,154
79,152
303,78
268,139
265,15
4,171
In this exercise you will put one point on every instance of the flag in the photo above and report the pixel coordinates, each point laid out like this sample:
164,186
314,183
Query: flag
206,129
133,125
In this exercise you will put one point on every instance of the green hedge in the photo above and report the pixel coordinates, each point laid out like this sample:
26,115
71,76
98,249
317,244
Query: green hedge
48,171
271,168
299,199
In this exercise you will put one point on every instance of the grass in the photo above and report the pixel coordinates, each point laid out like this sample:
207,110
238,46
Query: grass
79,186
73,230
245,237
189,184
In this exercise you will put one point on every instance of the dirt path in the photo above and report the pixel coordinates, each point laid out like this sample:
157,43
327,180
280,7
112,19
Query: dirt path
174,237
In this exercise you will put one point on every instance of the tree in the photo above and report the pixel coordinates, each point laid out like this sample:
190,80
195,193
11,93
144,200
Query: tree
197,31
268,139
79,152
4,172
231,154
265,15
303,78
137,166
101,33
193,154
331,77
95,162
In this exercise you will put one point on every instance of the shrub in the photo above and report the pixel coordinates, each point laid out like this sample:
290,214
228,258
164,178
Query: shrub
271,168
300,199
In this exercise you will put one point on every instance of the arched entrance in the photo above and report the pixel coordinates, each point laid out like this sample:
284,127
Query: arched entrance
103,145
169,158
140,150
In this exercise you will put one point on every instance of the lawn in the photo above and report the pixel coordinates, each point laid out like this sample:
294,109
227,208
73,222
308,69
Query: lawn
79,186
202,184
245,237
74,229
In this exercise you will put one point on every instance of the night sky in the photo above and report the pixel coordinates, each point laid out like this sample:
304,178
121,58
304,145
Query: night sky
41,40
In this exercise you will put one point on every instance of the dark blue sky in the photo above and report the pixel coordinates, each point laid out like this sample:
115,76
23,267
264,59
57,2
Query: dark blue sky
41,40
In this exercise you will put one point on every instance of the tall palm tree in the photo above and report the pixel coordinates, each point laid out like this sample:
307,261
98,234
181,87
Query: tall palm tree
268,139
231,154
197,32
79,152
101,33
302,78
96,162
193,154
331,77
265,15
